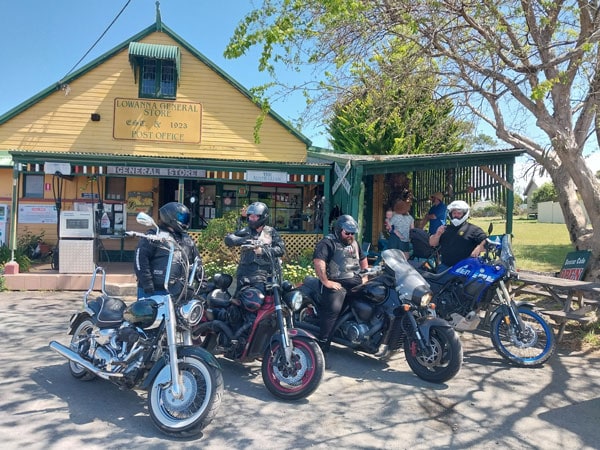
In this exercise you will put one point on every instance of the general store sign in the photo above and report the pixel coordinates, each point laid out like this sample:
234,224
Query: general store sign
157,120
163,172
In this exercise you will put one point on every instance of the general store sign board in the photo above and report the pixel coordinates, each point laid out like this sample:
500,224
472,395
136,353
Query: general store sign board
157,120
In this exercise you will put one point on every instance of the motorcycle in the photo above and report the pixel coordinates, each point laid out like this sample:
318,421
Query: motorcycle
482,285
390,311
249,326
148,345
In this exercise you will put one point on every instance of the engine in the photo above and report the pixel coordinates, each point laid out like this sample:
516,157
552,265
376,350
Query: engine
452,300
115,350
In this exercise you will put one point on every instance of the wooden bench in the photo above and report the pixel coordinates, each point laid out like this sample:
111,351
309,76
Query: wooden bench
578,298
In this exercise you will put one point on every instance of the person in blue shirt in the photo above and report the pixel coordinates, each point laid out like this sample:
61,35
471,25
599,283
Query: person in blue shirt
437,213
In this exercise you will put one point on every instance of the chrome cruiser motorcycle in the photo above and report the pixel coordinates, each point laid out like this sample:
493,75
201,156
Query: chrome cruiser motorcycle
148,345
390,312
249,325
481,286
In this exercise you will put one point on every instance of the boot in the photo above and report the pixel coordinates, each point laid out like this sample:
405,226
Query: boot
324,344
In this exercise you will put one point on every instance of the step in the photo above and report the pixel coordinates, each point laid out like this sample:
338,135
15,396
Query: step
121,289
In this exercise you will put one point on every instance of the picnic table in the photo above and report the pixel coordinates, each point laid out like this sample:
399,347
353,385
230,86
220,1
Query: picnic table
578,298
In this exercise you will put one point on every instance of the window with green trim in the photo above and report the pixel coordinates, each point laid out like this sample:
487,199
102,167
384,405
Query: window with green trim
158,78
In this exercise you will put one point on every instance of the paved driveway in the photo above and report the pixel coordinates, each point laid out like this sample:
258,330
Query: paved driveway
362,402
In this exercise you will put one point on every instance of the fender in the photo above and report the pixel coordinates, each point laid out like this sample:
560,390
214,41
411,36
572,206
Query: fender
198,352
501,308
293,332
425,326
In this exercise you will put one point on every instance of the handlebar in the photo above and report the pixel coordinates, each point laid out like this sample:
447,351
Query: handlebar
151,237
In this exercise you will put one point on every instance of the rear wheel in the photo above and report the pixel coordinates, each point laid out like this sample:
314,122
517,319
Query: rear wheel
443,357
531,346
298,379
189,413
80,344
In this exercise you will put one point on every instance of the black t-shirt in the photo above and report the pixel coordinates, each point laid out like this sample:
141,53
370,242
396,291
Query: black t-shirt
457,243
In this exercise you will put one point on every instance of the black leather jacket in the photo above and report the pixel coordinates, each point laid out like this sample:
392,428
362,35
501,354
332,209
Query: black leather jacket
256,268
151,262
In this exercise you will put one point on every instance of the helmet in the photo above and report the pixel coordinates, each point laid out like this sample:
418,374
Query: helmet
346,223
458,205
259,209
175,216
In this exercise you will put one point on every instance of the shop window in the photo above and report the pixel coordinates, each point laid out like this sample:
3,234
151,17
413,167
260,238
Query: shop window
33,186
115,188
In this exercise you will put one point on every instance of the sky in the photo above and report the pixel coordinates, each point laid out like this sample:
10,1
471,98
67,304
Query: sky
44,40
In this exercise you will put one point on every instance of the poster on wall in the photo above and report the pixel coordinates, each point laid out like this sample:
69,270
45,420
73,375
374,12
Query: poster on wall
37,214
138,202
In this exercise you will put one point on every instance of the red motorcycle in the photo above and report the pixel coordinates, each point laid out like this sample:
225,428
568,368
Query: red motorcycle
251,326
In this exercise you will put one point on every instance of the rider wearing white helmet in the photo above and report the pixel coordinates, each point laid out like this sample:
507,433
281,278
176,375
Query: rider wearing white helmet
459,239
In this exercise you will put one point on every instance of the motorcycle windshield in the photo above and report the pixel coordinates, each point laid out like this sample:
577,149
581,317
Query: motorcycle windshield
407,277
506,253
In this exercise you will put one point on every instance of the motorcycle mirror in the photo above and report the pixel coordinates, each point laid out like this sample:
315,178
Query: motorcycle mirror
490,228
144,219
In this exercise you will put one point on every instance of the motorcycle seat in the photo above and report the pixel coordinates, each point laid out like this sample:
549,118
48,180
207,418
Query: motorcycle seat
108,311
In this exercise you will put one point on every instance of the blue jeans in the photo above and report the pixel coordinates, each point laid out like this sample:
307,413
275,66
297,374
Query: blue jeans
141,294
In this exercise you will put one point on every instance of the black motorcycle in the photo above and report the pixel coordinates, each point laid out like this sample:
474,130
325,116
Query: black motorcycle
148,345
389,312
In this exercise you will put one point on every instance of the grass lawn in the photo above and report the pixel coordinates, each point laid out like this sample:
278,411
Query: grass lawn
540,247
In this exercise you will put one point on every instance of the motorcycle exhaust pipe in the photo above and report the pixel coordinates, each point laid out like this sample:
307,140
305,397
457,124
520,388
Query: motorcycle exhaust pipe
74,357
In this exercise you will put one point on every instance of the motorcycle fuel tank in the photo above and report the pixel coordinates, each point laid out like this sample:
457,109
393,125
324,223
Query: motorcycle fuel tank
141,313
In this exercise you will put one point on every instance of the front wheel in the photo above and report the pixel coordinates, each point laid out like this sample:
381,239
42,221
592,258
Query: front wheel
531,346
187,415
298,379
442,359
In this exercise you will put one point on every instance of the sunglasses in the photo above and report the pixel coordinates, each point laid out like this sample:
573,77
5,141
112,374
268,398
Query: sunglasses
348,233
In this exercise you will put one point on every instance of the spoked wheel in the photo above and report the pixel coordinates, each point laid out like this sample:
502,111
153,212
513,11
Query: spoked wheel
530,347
298,379
80,343
187,414
443,359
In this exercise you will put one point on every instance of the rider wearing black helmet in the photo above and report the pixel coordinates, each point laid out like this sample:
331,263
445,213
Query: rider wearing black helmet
255,266
337,260
151,257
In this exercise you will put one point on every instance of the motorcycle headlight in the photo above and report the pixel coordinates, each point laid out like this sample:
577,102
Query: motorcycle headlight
293,299
422,296
191,312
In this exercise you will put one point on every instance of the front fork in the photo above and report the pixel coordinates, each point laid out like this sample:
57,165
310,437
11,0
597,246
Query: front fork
283,331
176,380
511,310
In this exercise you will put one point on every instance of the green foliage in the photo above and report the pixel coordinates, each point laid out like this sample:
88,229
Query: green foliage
211,238
545,193
391,109
20,257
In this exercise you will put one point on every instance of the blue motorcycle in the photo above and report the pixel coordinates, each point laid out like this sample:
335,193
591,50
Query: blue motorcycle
476,287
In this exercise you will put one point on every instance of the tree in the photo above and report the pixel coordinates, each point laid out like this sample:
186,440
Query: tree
545,193
380,116
528,69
